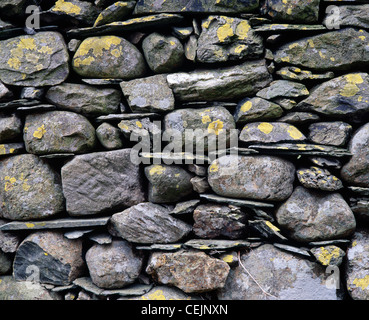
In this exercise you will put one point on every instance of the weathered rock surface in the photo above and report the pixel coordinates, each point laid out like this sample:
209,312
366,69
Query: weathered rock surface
350,15
252,177
49,256
10,127
334,133
149,223
115,265
314,216
283,88
8,241
101,181
109,136
165,293
330,255
190,271
115,12
318,178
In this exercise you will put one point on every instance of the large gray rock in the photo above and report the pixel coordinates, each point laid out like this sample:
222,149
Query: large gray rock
8,241
113,265
84,99
29,188
115,12
10,127
315,216
58,132
101,181
252,177
356,170
149,223
220,84
334,133
349,15
34,60
50,256
278,275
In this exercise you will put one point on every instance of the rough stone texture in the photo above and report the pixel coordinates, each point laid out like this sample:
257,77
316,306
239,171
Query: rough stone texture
282,276
190,271
8,241
29,188
84,99
334,133
149,223
252,177
101,181
5,263
314,216
356,170
115,12
109,136
318,178
49,256
357,279
330,255
113,265
283,88
11,8
10,127
58,132
108,57
350,15
34,60
165,293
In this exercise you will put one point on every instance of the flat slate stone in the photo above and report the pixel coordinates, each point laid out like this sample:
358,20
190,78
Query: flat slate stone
126,116
11,148
203,244
236,202
277,28
15,104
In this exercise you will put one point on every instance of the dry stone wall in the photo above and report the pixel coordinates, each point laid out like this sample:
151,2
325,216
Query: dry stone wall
104,193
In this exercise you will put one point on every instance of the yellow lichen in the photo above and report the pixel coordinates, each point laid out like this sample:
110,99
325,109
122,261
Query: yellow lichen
214,167
242,29
294,133
265,127
39,133
225,31
215,127
271,226
205,119
228,258
246,106
157,169
66,7
325,257
362,283
351,89
9,184
2,149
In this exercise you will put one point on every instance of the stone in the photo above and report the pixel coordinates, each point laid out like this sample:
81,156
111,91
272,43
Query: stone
215,245
5,93
109,136
356,170
342,97
165,293
8,241
149,223
252,177
356,273
115,12
299,117
182,33
266,132
190,48
255,205
29,188
318,178
283,88
32,93
285,103
335,133
108,57
84,99
278,275
309,215
126,116
151,94
58,132
10,127
328,255
226,38
254,109
163,53
190,271
360,208
326,162
167,183
350,16
114,265
286,28
220,84
222,6
296,74
139,127
11,149
200,184
11,289
335,50
56,259
47,67
291,11
266,229
214,220
5,263
101,181
39,108
185,207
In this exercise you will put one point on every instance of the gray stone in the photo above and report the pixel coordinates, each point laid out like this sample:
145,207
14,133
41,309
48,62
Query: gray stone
165,293
58,132
5,93
115,12
29,188
236,202
190,48
182,33
185,207
283,88
318,178
215,244
200,184
8,241
315,216
109,136
11,149
334,133
349,15
299,117
10,127
5,263
330,255
114,265
326,162
101,181
296,74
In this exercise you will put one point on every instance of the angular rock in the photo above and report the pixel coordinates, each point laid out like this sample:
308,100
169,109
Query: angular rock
10,127
296,74
163,53
328,255
280,276
314,216
84,99
51,256
299,117
11,149
185,207
108,57
34,60
216,245
165,293
288,28
221,84
190,271
5,93
150,94
266,132
253,109
334,133
252,177
29,188
226,38
108,136
326,162
356,170
200,184
101,181
149,223
336,50
168,183
318,178
115,12
213,220
114,265
190,48
182,32
8,241
255,205
357,279
350,16
58,132
283,88
138,127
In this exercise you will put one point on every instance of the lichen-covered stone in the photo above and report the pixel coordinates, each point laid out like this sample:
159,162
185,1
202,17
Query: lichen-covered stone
34,60
318,178
283,88
328,255
335,133
8,240
10,127
115,12
296,74
165,293
349,16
